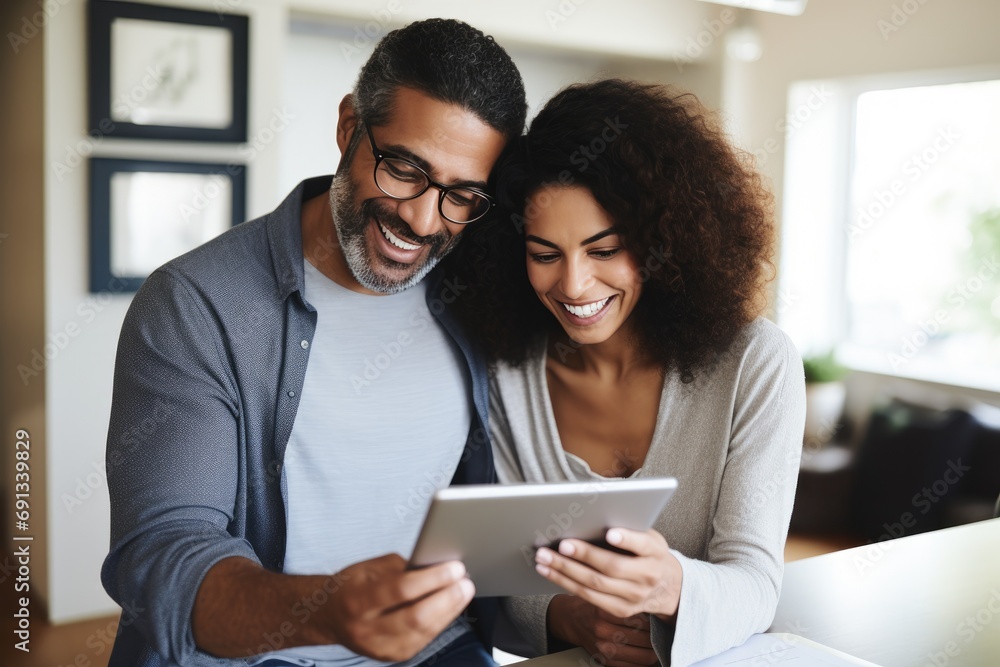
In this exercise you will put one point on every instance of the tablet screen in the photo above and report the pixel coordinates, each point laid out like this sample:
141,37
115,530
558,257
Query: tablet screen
495,529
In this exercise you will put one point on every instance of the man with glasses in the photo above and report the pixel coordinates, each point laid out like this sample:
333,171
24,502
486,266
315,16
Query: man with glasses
289,395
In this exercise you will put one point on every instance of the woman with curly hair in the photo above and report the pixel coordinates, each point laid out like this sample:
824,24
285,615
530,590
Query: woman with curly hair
619,297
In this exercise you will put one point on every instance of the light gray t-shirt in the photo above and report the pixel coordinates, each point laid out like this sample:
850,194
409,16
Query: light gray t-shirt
383,419
733,440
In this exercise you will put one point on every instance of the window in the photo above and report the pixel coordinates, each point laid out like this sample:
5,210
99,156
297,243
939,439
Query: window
896,184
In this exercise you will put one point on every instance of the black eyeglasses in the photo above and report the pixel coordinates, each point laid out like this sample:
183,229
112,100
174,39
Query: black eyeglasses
401,179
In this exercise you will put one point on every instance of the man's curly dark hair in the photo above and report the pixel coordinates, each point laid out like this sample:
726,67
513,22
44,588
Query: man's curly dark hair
449,60
692,211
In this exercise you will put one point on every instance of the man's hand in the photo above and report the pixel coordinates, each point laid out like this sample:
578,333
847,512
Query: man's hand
621,584
375,608
614,641
388,613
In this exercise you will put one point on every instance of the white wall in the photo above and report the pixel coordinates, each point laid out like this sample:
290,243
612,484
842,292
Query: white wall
656,29
317,75
78,378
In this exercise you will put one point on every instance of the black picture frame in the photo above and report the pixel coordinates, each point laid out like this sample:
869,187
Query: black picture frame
103,225
169,74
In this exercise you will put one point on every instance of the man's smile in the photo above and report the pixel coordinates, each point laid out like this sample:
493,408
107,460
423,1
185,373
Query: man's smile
395,240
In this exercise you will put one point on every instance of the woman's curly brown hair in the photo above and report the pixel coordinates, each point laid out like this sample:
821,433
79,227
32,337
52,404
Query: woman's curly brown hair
692,212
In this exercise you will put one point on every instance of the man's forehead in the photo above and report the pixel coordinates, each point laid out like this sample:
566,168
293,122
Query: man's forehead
433,132
415,104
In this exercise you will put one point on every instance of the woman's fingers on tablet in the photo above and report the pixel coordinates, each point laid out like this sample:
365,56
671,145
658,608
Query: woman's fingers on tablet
609,562
620,597
615,565
640,542
643,583
610,603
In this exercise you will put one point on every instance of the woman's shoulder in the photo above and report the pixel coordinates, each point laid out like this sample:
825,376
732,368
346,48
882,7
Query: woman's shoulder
759,348
763,337
764,352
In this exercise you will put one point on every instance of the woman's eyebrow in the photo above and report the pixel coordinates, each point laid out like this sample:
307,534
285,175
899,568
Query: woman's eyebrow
600,235
541,241
587,241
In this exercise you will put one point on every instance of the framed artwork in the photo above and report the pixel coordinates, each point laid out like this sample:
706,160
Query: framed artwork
144,213
167,73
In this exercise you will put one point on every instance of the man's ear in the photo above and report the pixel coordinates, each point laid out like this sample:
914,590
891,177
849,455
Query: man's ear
347,121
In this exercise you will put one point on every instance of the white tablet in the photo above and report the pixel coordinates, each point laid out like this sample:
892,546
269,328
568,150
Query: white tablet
495,529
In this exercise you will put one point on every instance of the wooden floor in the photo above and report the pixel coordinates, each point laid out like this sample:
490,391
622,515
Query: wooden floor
88,643
83,644
805,546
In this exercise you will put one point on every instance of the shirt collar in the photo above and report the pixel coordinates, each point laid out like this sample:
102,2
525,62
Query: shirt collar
285,235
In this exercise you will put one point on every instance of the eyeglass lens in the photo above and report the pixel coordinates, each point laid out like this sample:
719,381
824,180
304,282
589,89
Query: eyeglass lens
398,178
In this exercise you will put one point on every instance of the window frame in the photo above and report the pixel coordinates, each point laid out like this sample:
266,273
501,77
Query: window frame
811,301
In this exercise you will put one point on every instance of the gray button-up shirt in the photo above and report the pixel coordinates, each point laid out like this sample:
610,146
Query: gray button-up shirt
210,367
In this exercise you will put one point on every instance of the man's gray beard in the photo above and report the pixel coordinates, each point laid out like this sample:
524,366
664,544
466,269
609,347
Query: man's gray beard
350,225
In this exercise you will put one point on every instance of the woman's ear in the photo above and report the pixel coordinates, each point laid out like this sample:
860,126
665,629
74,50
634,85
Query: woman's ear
347,122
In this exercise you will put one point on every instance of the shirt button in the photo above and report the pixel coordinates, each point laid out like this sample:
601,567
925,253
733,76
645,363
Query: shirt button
291,394
304,344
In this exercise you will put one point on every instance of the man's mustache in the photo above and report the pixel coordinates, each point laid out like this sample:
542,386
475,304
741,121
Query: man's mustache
375,209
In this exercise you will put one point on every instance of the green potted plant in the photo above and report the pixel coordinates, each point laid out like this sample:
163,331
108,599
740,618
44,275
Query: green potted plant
825,394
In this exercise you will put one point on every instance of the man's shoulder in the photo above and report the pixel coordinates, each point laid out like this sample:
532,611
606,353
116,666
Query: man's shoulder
238,250
259,250
235,266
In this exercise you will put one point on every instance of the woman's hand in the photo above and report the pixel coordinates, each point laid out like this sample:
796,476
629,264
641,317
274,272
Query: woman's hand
623,585
616,642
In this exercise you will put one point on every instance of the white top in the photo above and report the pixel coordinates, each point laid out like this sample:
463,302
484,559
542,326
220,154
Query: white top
383,419
732,438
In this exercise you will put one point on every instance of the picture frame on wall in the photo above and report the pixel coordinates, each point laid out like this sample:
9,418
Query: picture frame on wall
143,213
167,73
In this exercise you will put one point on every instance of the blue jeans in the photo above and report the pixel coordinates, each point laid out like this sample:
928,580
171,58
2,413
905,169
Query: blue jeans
466,650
